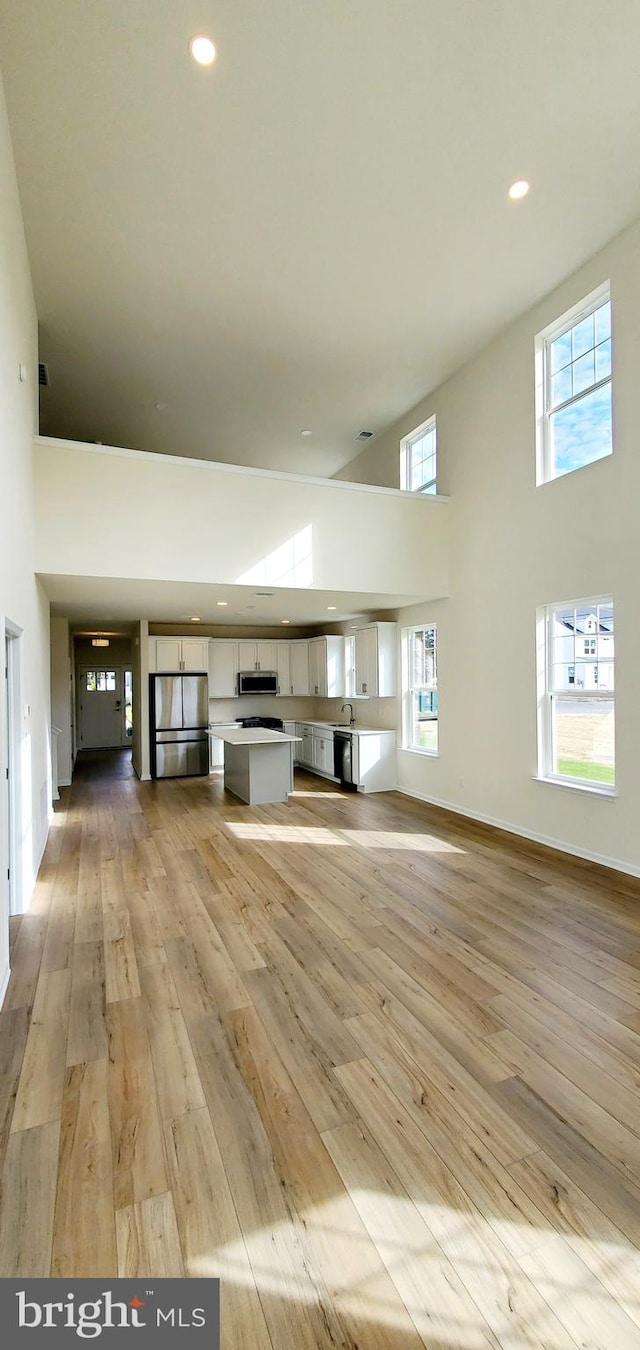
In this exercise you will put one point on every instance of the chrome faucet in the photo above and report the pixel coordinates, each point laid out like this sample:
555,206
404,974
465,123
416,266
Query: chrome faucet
352,720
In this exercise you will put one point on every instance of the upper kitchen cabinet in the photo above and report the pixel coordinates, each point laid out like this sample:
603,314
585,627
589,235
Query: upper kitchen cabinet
375,660
223,668
283,668
326,667
299,666
174,654
257,656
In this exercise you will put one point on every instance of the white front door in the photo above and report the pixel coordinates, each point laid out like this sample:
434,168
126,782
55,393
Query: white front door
101,708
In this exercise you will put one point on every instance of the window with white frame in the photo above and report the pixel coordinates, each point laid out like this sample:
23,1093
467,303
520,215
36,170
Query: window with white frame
573,388
420,689
577,693
418,459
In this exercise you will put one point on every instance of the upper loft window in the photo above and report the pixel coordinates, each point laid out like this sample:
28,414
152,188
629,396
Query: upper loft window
418,462
573,388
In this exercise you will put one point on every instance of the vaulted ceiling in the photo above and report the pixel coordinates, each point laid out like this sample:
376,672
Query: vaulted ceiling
315,231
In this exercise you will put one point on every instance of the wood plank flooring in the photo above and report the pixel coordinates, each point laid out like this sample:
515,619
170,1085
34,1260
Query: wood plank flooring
375,1066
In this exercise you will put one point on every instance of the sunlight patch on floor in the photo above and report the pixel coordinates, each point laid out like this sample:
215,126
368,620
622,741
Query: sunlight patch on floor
536,1298
286,834
323,836
417,843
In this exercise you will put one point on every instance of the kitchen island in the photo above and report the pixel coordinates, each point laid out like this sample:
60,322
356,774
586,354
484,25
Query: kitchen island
258,763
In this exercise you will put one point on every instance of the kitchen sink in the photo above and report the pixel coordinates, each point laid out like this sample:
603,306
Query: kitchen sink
341,725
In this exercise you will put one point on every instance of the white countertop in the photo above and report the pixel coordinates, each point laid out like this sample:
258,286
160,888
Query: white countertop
234,735
334,726
218,728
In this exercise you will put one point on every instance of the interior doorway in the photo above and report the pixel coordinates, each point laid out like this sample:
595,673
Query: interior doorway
105,710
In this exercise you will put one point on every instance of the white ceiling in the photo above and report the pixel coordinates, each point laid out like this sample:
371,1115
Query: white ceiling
111,603
314,232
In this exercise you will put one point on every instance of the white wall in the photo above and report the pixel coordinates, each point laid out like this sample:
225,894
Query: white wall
150,516
22,602
515,547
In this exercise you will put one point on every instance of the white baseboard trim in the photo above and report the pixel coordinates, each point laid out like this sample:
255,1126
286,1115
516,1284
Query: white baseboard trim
560,845
64,782
4,982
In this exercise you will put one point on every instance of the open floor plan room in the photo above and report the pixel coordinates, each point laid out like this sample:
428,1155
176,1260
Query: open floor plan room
374,1065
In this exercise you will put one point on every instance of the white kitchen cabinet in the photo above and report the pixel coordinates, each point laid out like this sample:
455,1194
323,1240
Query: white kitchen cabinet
306,750
257,656
375,660
299,667
297,749
216,753
373,761
223,668
326,667
283,667
289,729
323,751
173,654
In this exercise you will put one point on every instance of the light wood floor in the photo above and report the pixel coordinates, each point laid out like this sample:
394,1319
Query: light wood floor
375,1066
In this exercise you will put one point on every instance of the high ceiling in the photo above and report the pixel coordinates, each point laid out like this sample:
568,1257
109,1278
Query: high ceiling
315,231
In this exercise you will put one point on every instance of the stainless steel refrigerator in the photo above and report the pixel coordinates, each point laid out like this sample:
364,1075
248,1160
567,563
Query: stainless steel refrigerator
179,720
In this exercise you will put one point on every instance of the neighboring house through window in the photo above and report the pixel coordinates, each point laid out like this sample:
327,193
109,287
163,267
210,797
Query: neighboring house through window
573,388
576,682
420,689
418,459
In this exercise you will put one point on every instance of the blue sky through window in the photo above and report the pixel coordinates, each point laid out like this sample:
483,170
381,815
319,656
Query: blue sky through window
579,392
581,432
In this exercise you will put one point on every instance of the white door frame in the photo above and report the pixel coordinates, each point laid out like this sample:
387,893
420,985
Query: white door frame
12,764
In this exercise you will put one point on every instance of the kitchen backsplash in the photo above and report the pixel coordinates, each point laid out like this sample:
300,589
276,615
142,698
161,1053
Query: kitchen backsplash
377,712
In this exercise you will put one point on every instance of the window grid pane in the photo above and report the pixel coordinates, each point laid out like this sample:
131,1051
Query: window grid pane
575,357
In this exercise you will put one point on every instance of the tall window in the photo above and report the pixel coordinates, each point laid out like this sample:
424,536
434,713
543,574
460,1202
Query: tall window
418,462
577,687
573,388
420,689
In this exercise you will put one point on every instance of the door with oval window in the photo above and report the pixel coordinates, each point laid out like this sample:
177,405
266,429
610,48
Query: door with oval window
104,708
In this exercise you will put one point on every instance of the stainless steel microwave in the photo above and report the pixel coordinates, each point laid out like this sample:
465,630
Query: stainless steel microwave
257,682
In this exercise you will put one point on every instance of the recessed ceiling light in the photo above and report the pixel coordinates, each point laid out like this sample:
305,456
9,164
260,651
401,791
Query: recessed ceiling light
222,603
332,606
285,621
195,618
306,432
202,50
519,189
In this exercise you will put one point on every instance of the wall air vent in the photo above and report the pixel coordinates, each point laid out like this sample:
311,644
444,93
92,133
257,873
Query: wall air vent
265,593
364,435
43,373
